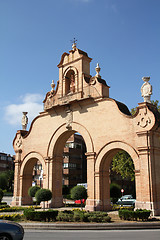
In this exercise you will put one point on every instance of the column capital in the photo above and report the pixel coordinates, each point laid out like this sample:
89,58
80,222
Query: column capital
17,161
19,151
90,154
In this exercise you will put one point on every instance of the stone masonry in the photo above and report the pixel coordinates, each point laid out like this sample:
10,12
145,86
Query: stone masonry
81,103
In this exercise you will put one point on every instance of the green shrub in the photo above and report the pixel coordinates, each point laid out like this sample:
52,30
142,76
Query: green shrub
139,214
97,217
3,206
43,195
65,216
46,216
79,216
78,192
29,214
32,190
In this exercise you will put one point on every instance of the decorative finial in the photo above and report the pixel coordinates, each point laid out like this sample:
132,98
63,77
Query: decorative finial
52,86
146,89
74,43
24,121
98,69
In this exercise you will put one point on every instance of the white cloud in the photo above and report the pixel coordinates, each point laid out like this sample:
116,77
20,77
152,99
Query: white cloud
31,103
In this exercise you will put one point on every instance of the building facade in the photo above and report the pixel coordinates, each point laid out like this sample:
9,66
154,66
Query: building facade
74,161
6,162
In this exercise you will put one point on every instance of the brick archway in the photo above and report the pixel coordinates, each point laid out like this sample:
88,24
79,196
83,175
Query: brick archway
54,153
24,182
102,165
106,126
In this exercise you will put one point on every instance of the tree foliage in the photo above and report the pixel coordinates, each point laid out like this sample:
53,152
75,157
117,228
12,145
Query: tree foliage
43,195
3,181
32,190
1,195
155,103
78,192
115,190
122,164
6,180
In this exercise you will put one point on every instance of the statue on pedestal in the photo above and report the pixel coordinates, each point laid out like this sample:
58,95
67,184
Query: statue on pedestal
24,121
146,89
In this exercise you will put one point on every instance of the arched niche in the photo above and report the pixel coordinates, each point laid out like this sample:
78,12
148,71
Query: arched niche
70,79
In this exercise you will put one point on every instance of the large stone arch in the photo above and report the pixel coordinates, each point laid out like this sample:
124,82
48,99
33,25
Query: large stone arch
54,148
54,153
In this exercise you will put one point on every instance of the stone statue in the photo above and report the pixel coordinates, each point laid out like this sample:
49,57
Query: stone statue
72,83
24,121
146,89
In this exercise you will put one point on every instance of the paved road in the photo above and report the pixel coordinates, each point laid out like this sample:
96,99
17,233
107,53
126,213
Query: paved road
93,235
7,199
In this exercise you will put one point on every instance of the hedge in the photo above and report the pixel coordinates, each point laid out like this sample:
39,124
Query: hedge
46,216
83,216
139,214
66,216
7,208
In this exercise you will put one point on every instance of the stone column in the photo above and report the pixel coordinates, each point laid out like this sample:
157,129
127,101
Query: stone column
145,187
106,203
56,183
103,202
15,199
98,185
144,191
46,183
90,203
25,184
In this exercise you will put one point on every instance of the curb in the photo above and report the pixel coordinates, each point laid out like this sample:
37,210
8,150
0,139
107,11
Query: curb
99,226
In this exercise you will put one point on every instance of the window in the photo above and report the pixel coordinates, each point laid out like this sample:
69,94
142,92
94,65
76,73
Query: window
4,158
70,165
65,165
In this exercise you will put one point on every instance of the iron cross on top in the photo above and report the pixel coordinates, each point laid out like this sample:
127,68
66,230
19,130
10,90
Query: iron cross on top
74,43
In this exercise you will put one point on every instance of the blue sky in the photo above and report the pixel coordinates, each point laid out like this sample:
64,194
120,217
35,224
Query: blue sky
123,36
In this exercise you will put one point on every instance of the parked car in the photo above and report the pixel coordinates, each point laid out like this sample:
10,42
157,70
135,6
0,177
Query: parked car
11,231
126,200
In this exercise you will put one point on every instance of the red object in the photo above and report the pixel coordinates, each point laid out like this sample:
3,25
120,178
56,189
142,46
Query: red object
122,190
79,201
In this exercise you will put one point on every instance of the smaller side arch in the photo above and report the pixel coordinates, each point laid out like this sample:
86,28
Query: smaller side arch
25,176
32,155
113,146
103,160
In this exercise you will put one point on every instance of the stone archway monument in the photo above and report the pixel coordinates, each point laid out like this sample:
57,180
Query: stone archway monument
81,103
